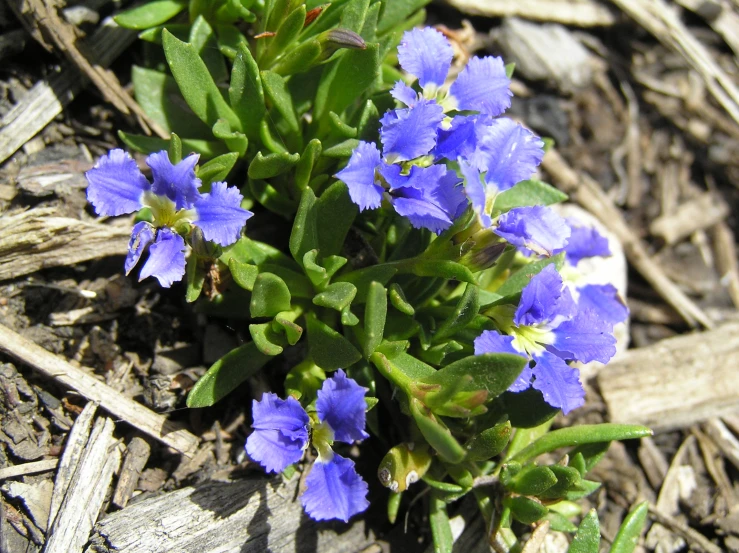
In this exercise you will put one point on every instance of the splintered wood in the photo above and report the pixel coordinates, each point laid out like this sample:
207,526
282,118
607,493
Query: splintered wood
676,382
581,13
37,239
247,516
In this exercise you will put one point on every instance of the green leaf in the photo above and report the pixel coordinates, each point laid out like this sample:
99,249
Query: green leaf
335,213
195,278
353,15
266,339
524,509
437,355
591,454
393,505
345,80
278,94
488,443
397,299
362,278
466,309
396,12
587,538
154,91
286,34
436,433
274,200
304,237
245,92
244,274
226,374
525,409
150,14
369,29
492,372
526,193
306,163
175,149
149,144
559,523
269,296
342,149
338,296
297,282
567,479
271,165
437,268
195,82
235,140
374,318
340,127
628,534
203,39
532,480
216,170
518,280
583,434
441,528
292,331
300,59
583,489
329,349
392,349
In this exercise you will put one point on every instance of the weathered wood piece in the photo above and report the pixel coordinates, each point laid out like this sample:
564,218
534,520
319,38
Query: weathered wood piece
126,409
84,498
73,448
580,13
254,515
724,439
36,239
701,213
47,98
675,382
137,453
28,468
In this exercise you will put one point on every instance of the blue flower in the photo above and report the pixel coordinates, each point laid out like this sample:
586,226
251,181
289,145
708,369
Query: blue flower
536,228
410,132
281,429
584,242
117,187
550,328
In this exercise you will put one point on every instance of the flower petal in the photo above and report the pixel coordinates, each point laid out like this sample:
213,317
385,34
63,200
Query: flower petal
116,185
404,94
166,259
220,215
510,153
426,54
334,490
586,337
359,176
280,432
476,191
411,132
585,242
341,404
544,300
559,382
605,300
492,341
483,86
141,236
176,182
537,228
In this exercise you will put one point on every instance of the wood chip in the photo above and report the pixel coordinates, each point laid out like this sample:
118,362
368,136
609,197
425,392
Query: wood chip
724,246
247,516
724,439
696,540
675,382
28,468
38,239
88,386
700,213
86,494
580,13
137,453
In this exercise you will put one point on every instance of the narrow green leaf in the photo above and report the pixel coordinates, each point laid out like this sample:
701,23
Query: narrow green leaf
287,33
559,523
329,349
269,296
362,278
397,298
195,82
488,443
583,434
518,280
525,409
277,92
195,278
583,489
244,274
266,339
436,433
342,149
526,193
524,509
304,236
299,60
567,478
628,534
338,296
306,163
466,309
150,14
393,505
245,92
226,374
149,144
216,170
396,12
374,318
204,40
236,141
353,15
437,268
271,165
441,529
292,331
335,213
591,454
587,538
340,127
274,200
297,282
175,149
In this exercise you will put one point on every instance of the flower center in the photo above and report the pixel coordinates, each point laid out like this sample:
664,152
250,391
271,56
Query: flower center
164,213
323,439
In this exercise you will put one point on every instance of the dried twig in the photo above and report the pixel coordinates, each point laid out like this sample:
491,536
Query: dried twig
696,540
588,194
137,453
581,13
28,468
696,214
146,420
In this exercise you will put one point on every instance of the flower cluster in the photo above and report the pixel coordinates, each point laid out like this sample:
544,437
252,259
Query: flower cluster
440,129
117,187
283,429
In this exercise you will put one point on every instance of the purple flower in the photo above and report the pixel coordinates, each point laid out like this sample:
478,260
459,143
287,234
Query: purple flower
536,228
410,132
334,489
550,328
360,176
483,86
584,242
117,187
603,299
426,54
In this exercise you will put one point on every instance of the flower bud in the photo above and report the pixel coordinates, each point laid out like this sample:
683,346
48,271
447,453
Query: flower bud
333,40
